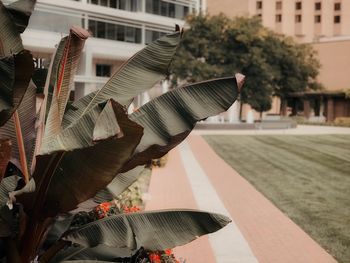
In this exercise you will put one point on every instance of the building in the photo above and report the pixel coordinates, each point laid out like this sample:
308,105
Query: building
334,75
325,24
306,20
119,29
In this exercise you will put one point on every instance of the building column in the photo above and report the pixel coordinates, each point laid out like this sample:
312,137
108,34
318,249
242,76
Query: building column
322,108
143,34
306,108
294,107
233,113
143,6
330,110
89,71
283,107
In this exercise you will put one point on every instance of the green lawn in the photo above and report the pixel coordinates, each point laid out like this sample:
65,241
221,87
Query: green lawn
306,176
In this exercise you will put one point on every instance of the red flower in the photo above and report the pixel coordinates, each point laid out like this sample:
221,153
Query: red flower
168,252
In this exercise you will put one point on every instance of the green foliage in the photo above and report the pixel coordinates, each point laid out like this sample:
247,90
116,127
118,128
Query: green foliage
216,46
84,149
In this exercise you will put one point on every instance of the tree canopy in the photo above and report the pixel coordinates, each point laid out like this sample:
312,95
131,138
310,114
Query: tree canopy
216,46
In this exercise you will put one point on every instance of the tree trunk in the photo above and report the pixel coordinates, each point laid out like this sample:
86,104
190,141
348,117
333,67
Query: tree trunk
240,110
283,109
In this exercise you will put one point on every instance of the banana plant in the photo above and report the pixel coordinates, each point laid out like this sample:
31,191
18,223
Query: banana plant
67,155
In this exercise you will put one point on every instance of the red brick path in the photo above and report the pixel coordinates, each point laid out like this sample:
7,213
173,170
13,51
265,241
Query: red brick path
272,236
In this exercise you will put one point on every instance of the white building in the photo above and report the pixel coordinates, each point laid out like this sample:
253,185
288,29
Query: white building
119,28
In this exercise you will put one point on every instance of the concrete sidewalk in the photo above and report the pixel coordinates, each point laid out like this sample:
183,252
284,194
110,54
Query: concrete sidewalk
195,177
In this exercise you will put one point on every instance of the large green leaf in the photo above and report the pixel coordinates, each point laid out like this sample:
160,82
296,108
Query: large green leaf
168,119
27,116
6,221
7,73
16,72
65,179
10,40
154,230
118,185
5,155
81,134
62,74
7,185
138,74
60,226
21,11
90,166
85,261
96,254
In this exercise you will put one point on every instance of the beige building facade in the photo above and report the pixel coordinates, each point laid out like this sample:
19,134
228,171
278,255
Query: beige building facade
323,23
306,20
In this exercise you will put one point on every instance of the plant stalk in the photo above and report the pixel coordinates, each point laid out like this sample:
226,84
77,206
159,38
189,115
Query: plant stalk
38,222
52,251
22,153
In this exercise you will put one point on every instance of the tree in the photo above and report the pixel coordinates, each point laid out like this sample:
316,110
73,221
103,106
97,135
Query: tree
67,154
215,46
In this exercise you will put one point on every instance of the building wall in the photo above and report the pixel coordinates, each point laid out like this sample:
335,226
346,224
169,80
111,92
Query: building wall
301,23
119,30
315,23
334,56
229,7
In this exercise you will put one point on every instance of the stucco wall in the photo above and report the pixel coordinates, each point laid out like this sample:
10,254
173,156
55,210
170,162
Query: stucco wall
230,8
335,58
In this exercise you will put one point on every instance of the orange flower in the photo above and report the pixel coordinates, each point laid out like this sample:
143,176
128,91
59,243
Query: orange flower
131,209
154,258
105,207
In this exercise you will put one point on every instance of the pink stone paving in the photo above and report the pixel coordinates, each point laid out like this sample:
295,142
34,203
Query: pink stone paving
272,236
170,189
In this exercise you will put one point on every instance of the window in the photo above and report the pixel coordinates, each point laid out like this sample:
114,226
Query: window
111,34
113,3
121,33
186,11
278,18
337,6
318,19
278,5
128,5
104,2
298,6
337,19
298,19
103,70
115,32
259,5
171,10
318,6
132,35
165,8
152,35
101,30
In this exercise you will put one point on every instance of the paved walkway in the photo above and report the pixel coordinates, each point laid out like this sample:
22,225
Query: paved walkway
195,177
301,129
